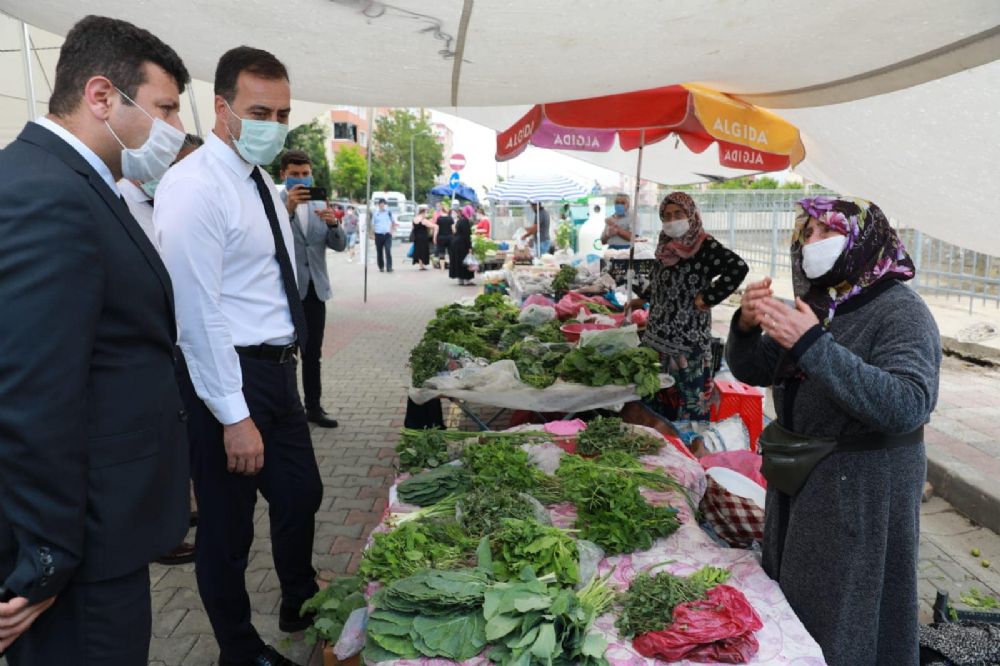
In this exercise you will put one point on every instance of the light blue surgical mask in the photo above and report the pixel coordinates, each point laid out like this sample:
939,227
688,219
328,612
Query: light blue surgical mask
260,140
149,187
620,210
292,181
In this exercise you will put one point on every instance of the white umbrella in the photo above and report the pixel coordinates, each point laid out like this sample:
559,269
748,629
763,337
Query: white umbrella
537,188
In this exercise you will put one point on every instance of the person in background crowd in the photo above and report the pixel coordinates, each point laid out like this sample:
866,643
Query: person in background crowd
461,246
228,242
351,229
693,273
138,197
440,209
93,467
856,359
616,234
315,227
539,227
483,227
423,230
444,228
383,225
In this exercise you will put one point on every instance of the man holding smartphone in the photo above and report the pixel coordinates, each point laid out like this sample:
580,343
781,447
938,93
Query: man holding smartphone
315,227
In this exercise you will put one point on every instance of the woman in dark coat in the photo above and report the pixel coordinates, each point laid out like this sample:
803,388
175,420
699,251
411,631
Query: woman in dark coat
422,233
461,246
855,360
444,227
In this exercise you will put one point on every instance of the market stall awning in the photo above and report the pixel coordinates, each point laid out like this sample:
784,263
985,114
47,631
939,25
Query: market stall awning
537,188
748,137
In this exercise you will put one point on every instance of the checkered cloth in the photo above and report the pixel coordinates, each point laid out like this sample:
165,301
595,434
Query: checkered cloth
737,521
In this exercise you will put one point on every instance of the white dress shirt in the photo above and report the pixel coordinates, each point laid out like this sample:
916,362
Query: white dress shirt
217,244
92,159
141,206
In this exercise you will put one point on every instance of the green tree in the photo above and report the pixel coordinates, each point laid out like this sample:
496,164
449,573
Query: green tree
350,173
790,185
732,184
764,183
391,156
311,138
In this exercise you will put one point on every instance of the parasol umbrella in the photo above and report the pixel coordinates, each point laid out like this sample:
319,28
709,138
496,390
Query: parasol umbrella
536,189
748,137
463,192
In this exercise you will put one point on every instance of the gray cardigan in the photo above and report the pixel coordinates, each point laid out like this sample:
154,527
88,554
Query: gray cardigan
874,370
310,249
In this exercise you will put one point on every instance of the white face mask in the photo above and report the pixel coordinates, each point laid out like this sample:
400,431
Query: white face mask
152,159
676,228
819,257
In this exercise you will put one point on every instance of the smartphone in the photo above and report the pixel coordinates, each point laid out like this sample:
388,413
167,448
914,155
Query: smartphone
317,194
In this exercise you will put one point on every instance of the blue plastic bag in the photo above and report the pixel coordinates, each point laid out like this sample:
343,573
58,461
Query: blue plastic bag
409,253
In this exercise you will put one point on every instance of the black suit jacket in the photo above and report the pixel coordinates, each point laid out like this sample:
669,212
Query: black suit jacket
93,454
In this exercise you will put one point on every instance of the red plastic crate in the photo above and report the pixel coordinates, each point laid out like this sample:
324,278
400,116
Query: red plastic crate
732,397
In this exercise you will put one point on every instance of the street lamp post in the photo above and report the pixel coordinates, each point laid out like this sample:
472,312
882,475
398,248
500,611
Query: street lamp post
413,189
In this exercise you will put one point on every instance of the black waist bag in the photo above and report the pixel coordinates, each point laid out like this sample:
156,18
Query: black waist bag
789,457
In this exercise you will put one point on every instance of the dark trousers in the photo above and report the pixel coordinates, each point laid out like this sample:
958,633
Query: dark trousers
290,483
315,310
107,623
383,243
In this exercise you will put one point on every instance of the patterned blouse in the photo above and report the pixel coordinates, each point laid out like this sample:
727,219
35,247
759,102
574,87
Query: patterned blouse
675,325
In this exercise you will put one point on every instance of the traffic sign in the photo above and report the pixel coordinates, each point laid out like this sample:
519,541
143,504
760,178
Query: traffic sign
453,180
457,162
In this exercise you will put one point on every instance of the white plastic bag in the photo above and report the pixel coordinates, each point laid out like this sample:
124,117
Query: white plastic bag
611,340
352,636
471,262
536,315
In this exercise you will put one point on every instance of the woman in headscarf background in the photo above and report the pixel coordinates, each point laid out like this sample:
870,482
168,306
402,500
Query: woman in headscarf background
693,272
856,359
444,228
461,246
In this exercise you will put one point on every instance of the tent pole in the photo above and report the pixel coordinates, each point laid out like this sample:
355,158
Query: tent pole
368,199
634,209
29,76
194,110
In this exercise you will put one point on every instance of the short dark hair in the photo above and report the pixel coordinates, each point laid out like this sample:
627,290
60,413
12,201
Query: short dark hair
245,59
294,157
101,46
193,140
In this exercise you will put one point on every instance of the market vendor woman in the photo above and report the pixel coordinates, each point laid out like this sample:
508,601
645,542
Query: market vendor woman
854,363
693,272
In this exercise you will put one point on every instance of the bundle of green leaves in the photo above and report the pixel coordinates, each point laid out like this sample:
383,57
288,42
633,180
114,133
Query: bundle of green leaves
416,545
431,614
649,603
500,462
610,510
564,279
530,622
433,485
481,246
587,365
605,434
483,509
527,543
420,449
332,605
426,360
537,361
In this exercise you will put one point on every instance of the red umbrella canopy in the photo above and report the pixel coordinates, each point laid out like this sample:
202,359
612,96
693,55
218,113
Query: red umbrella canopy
749,137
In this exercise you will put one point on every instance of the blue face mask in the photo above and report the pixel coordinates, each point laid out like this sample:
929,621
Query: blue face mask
620,210
260,140
292,181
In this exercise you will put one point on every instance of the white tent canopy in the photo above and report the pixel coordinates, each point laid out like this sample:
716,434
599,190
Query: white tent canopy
898,101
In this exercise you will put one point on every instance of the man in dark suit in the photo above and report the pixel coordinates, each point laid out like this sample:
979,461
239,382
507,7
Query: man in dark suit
93,456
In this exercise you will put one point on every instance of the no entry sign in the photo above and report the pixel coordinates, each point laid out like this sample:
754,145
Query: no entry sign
457,162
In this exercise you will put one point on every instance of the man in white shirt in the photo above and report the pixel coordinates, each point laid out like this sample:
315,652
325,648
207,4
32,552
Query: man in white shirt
226,239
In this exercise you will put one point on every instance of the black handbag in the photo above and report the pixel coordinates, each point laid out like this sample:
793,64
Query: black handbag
789,457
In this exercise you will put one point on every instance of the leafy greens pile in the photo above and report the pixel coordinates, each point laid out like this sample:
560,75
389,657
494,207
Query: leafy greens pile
563,281
650,601
526,543
587,365
484,509
432,614
332,605
433,485
416,545
605,434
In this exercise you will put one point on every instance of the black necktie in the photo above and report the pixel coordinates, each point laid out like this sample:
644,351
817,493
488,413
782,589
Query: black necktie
281,254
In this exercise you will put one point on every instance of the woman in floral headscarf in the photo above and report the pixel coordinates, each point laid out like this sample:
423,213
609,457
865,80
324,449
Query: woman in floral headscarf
855,361
693,273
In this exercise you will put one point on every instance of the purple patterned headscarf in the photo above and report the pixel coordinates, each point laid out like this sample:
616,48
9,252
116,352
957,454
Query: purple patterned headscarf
874,253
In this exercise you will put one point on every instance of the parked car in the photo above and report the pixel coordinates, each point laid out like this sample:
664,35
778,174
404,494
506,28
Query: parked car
404,225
